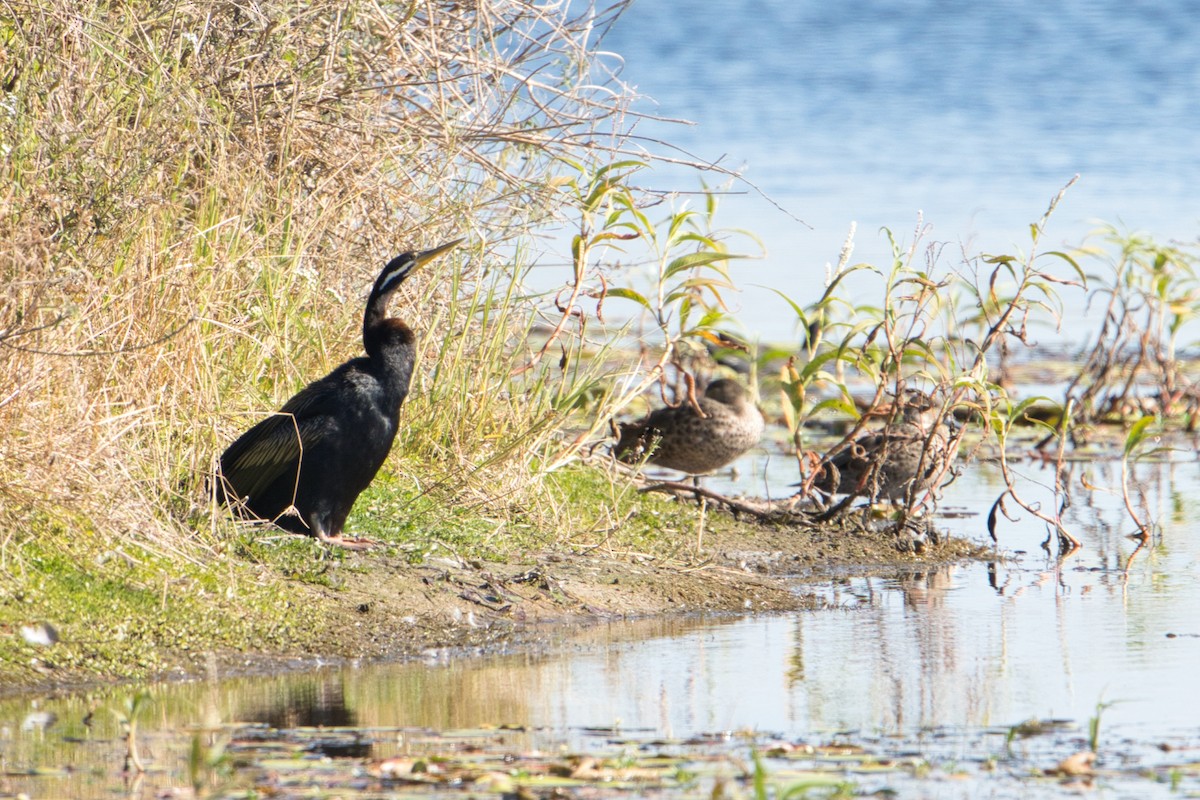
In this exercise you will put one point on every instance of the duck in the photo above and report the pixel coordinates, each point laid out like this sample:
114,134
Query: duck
884,465
693,441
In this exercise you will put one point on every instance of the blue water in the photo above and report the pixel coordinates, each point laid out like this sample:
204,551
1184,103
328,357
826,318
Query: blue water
971,114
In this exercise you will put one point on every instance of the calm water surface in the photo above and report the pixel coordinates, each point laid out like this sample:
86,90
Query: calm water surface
939,663
872,111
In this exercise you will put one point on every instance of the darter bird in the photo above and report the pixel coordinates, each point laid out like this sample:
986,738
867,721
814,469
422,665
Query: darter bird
303,467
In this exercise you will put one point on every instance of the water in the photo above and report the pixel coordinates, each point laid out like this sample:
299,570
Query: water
979,645
940,663
873,111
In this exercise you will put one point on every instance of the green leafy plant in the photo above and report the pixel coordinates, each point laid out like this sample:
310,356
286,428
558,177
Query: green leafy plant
1003,417
1005,315
209,765
1094,724
830,787
945,331
1148,292
677,301
129,716
1140,433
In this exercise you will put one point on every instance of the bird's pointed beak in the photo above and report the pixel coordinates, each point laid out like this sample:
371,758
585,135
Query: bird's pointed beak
426,256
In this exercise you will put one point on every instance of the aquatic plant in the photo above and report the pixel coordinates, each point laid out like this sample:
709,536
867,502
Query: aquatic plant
209,765
129,715
829,786
952,329
1035,288
1006,417
1094,725
676,290
1148,292
913,336
1140,434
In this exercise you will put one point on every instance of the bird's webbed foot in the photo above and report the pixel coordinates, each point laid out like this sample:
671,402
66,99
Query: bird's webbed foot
349,542
345,542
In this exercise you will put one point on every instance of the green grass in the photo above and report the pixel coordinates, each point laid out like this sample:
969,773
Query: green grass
120,611
578,507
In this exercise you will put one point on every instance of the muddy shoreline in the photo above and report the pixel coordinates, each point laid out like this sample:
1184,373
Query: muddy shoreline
380,607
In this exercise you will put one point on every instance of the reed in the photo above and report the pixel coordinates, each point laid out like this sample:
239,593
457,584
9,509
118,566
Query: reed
195,198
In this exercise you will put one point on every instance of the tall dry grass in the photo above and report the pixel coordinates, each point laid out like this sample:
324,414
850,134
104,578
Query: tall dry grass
194,198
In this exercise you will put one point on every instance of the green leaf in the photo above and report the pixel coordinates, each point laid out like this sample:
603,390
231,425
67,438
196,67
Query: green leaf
801,315
693,260
838,404
1020,408
629,294
1074,264
998,259
632,164
607,236
1137,434
676,222
819,360
708,282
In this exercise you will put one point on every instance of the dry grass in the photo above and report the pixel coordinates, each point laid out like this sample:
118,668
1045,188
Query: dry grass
196,197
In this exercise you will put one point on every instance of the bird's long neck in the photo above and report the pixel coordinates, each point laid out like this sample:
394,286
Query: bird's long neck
390,344
374,318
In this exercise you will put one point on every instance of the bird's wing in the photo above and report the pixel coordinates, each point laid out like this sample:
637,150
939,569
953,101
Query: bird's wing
636,437
273,448
874,446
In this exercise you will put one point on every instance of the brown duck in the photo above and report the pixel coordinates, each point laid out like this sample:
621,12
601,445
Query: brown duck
680,438
885,464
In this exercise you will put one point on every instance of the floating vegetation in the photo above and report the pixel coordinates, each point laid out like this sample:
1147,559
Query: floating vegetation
254,760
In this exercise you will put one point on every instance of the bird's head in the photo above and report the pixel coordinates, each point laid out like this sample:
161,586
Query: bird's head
920,409
405,264
727,391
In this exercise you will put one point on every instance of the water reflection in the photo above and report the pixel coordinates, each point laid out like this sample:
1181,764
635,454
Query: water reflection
316,702
963,650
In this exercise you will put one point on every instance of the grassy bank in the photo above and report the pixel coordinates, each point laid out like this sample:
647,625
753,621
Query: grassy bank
195,198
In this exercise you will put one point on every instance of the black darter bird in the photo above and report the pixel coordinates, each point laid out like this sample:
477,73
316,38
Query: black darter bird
303,467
